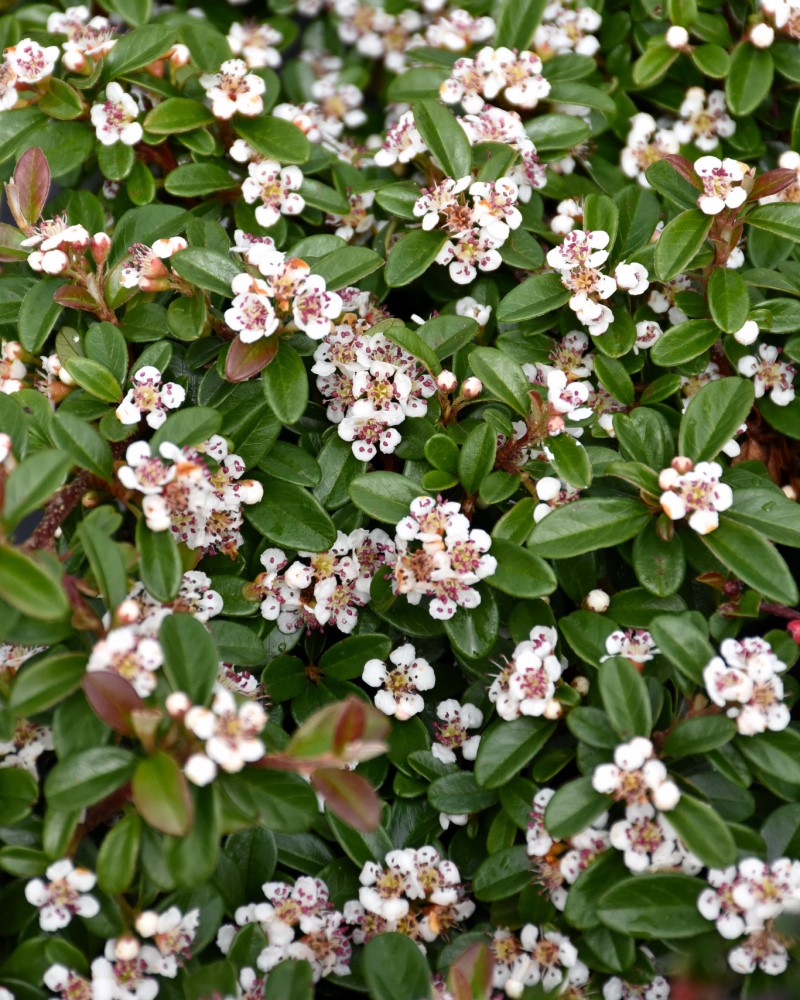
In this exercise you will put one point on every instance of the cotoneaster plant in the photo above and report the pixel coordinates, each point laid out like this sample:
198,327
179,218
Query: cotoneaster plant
399,477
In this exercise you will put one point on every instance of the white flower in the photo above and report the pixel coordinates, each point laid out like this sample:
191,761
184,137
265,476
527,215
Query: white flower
721,184
251,313
149,397
256,44
276,188
704,119
697,493
636,776
745,680
632,278
649,843
769,374
229,731
63,895
233,90
467,306
115,119
122,973
747,334
30,62
401,683
677,37
635,644
580,249
130,653
451,731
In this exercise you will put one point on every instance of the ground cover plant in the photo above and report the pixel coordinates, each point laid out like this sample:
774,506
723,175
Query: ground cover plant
399,472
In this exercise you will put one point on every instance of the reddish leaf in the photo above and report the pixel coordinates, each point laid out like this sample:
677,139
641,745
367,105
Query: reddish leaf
349,725
161,795
341,729
772,182
112,699
685,168
30,186
470,976
74,297
246,360
10,244
350,796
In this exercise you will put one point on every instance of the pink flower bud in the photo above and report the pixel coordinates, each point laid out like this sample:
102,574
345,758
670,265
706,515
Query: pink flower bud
177,704
101,244
178,55
446,381
597,601
128,612
681,464
472,387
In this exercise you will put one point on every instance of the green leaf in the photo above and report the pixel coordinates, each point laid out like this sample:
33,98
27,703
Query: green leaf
395,969
600,212
473,633
683,639
507,747
26,586
573,808
684,342
286,385
188,426
502,875
118,854
625,698
571,461
106,562
536,296
750,78
160,792
176,115
444,137
639,212
116,161
237,644
193,180
780,219
83,443
665,179
206,268
754,560
136,49
775,758
191,662
45,682
654,907
519,572
290,516
18,793
275,138
586,525
769,512
614,378
95,378
713,416
476,458
346,659
81,779
660,565
502,377
327,199
385,496
728,299
33,482
191,859
290,978
347,266
38,313
653,64
280,801
516,22
699,735
602,874
414,344
412,255
458,792
711,60
160,566
61,101
557,131
680,241
338,467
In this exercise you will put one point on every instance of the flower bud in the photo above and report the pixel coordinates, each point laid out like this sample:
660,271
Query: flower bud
553,710
597,601
581,685
200,770
446,381
471,387
681,464
54,262
177,704
747,334
789,491
793,628
128,612
126,948
666,796
762,36
677,37
178,55
147,923
101,244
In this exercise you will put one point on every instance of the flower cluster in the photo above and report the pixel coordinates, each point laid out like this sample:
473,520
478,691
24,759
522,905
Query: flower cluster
637,777
287,292
535,957
494,73
370,386
300,923
197,494
27,744
745,900
745,680
146,269
527,683
415,892
327,589
578,261
441,557
696,491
